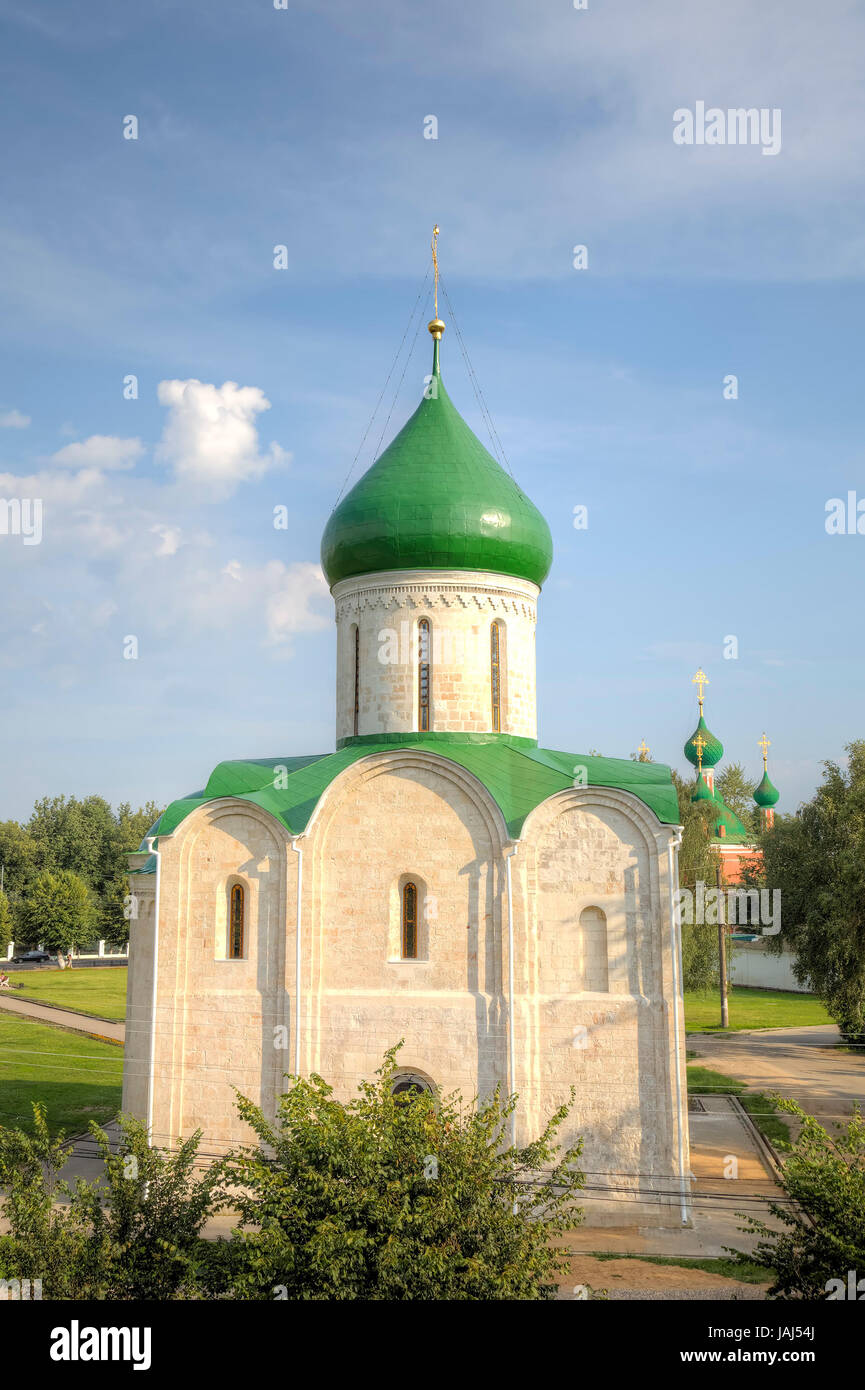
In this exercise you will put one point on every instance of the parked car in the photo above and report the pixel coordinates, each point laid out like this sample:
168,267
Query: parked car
31,955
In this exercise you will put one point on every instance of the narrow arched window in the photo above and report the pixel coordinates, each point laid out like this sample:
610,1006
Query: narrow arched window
235,923
593,952
496,675
356,678
409,922
423,674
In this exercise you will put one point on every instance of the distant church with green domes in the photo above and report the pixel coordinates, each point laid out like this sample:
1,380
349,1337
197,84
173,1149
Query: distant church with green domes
733,841
438,876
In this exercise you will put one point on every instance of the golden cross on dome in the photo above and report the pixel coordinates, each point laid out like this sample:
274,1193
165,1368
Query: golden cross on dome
434,245
700,680
700,744
643,750
765,744
435,325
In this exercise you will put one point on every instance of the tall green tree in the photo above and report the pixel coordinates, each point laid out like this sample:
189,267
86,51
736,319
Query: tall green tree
87,838
75,835
817,859
58,911
737,790
697,864
19,857
129,831
5,925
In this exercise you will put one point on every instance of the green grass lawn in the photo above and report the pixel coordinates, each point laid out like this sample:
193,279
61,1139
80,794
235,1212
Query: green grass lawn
702,1081
77,1077
752,1008
100,991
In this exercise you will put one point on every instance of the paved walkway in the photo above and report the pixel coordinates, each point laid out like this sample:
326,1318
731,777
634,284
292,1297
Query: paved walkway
804,1063
66,1018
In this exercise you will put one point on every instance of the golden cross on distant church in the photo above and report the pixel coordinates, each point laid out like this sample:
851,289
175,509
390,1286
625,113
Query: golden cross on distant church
643,751
700,744
700,680
765,744
434,245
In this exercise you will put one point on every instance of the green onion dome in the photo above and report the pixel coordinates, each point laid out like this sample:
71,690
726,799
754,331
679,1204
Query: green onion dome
766,794
713,750
435,499
701,791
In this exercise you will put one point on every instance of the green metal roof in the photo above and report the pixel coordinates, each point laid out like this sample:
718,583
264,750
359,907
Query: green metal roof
516,773
713,751
734,831
766,794
702,791
436,499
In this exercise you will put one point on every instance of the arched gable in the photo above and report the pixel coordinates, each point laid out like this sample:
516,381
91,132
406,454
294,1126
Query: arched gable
390,818
349,782
601,849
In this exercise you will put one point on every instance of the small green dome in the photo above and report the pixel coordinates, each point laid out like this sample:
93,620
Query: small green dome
713,751
435,499
702,791
766,794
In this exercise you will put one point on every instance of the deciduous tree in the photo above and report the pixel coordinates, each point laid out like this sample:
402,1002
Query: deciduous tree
817,859
58,912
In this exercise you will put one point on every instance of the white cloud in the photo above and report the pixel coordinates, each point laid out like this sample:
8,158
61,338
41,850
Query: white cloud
14,420
293,599
66,490
290,606
210,438
100,451
169,538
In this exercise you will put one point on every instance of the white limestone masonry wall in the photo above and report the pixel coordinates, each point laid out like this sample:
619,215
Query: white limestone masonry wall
460,606
594,997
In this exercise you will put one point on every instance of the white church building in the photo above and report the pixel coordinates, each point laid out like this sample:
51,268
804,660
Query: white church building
505,909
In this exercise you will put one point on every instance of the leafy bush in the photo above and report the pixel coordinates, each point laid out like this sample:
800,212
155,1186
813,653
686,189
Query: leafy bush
145,1217
823,1232
395,1197
132,1234
46,1240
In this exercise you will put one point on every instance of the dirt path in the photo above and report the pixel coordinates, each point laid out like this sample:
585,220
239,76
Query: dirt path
636,1274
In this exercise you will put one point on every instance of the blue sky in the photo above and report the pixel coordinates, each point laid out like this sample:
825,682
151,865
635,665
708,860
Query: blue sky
304,127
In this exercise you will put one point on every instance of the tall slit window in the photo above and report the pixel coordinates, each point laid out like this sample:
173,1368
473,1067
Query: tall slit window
423,674
235,923
496,675
409,922
356,678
